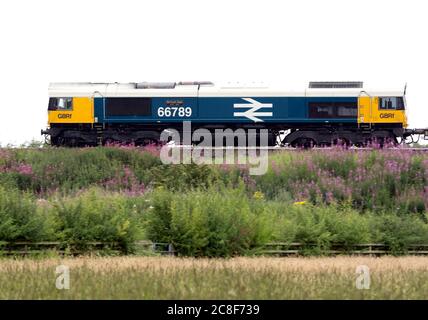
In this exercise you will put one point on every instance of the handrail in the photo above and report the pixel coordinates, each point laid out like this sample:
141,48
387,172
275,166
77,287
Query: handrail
371,112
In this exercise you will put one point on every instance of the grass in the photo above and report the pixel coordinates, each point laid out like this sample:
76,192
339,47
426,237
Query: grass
237,278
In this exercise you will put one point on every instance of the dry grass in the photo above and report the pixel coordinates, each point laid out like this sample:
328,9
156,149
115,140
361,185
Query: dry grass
237,278
343,264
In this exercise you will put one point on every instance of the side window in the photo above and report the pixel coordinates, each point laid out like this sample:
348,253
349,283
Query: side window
52,104
64,104
400,103
333,109
346,109
126,106
320,110
391,103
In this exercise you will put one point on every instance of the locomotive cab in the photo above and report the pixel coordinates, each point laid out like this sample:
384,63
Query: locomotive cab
70,110
392,108
386,110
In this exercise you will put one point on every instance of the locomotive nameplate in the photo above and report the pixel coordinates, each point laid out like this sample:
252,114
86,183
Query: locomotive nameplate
64,116
386,115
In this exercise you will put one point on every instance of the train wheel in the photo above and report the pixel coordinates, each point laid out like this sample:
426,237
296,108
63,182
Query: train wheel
55,141
72,142
341,142
147,141
305,143
110,142
274,140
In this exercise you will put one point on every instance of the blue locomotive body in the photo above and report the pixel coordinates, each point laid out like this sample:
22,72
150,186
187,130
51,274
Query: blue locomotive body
230,110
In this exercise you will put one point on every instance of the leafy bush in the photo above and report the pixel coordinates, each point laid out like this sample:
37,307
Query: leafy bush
20,218
215,222
181,177
218,222
318,227
94,216
398,232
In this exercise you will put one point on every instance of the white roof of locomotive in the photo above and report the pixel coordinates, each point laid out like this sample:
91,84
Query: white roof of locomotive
79,89
116,90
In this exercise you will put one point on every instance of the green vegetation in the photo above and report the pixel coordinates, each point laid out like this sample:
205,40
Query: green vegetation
90,216
209,223
124,194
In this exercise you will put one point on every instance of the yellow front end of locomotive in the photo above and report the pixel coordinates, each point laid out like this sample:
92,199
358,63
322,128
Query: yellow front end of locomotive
385,110
71,110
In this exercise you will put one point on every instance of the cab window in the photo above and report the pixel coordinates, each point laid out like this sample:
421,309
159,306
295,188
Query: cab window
60,104
391,103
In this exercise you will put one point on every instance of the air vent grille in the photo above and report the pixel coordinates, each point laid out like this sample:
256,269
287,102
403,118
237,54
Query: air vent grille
195,83
171,85
155,85
335,84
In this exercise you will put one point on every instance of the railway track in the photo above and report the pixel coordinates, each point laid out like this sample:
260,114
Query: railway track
183,147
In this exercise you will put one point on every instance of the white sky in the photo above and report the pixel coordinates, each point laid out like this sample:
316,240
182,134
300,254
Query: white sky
220,40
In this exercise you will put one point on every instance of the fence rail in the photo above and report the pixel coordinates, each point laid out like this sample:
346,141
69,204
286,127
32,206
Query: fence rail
295,248
275,248
27,247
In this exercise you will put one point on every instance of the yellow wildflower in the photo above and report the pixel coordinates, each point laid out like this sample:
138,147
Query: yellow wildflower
299,203
258,195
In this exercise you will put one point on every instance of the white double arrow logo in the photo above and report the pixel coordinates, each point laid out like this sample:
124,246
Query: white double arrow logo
252,113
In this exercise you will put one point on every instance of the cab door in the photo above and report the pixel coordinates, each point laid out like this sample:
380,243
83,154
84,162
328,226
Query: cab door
365,116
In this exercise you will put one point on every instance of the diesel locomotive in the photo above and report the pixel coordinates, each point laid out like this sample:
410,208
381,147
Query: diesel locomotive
319,113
